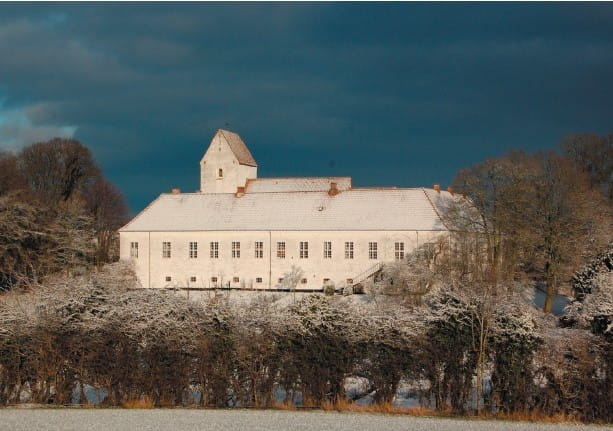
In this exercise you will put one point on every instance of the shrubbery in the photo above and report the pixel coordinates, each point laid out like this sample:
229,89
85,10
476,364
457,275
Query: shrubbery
131,344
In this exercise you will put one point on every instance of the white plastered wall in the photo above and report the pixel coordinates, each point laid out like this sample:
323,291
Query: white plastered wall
152,269
220,156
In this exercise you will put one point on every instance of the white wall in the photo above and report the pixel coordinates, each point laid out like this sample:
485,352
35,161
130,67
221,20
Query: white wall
152,268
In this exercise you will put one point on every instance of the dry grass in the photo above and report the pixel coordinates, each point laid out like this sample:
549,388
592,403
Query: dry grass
286,405
142,403
389,408
536,416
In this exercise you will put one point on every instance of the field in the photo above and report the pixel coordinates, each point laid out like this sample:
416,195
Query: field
253,420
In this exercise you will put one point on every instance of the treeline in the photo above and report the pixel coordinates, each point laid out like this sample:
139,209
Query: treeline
57,212
94,331
541,215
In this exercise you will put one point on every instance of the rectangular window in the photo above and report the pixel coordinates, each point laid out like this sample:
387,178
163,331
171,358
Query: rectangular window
214,279
134,249
350,281
236,249
193,250
372,250
235,279
168,278
303,281
259,249
304,250
166,249
281,280
281,250
192,279
349,250
258,279
327,249
399,250
215,250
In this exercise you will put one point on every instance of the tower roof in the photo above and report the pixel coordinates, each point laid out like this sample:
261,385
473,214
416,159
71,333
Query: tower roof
238,147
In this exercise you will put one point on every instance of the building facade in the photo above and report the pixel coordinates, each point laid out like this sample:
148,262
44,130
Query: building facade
241,231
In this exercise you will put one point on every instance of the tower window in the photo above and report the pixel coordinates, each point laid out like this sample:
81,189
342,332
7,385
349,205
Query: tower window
220,173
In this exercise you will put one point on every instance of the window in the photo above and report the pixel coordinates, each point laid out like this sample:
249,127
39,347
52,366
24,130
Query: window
236,249
193,250
220,173
166,249
349,250
281,280
192,279
134,249
303,281
327,249
304,250
281,250
168,278
235,279
372,250
326,280
350,281
214,279
399,250
259,249
215,250
258,279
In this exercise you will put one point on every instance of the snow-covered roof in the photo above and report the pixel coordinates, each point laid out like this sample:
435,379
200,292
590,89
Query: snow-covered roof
354,209
293,184
238,147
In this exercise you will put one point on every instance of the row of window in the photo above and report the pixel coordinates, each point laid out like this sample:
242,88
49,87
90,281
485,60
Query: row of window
259,250
258,280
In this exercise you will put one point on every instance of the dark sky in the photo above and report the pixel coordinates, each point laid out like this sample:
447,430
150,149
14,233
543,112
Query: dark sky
390,94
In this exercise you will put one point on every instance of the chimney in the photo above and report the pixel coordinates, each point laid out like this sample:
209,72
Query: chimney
176,191
437,188
450,190
333,190
240,191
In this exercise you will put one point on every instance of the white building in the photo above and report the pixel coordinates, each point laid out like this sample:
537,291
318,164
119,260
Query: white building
244,231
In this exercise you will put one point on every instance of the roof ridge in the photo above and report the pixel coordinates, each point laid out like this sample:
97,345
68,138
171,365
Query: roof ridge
435,208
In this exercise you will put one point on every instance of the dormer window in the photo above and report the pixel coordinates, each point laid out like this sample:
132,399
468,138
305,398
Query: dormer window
220,173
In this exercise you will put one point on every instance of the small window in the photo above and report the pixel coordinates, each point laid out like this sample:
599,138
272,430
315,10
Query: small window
304,250
327,249
166,249
214,248
349,250
193,250
372,250
281,280
281,250
235,279
134,250
213,279
192,279
259,249
258,279
350,281
399,250
236,249
220,173
303,281
168,278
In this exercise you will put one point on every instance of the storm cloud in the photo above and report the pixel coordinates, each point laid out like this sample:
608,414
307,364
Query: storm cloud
391,94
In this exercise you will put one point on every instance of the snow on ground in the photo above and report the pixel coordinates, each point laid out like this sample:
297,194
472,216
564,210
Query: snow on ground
252,420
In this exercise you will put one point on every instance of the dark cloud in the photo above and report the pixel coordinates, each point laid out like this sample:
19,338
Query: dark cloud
395,94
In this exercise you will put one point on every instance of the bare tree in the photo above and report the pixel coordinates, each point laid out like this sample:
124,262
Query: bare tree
109,210
57,169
